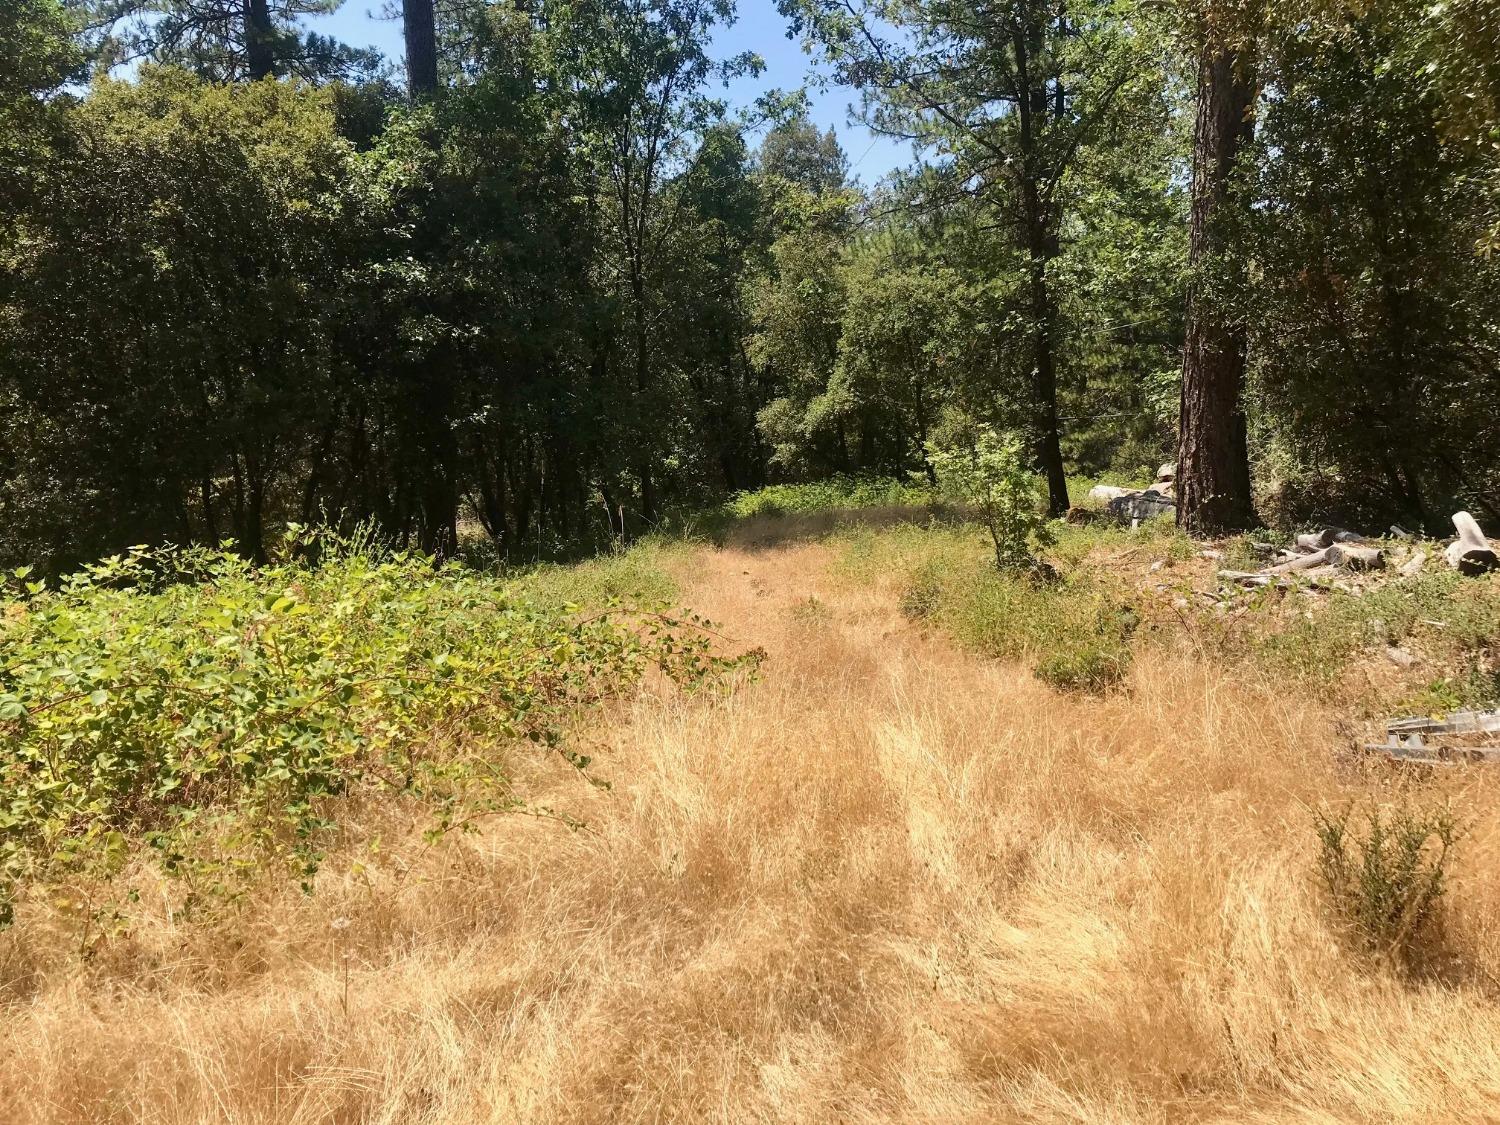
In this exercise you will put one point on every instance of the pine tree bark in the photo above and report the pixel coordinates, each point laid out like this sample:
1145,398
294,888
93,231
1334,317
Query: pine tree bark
419,26
1213,464
1032,104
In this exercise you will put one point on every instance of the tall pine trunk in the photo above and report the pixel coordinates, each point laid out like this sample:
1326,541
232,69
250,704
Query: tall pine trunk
1040,232
419,26
1213,460
260,54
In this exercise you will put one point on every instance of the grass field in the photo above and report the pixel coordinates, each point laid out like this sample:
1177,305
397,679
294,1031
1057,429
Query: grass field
894,877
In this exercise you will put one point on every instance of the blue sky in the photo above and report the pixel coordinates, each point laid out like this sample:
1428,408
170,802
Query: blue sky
760,28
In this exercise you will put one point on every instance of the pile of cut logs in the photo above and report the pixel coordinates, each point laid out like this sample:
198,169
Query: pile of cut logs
1132,505
1333,550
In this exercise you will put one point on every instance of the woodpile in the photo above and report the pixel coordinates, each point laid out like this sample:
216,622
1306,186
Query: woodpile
1334,551
1135,505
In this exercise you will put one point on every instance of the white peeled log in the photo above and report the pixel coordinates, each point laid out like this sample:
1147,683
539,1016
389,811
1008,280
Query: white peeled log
1351,556
1471,552
1104,493
1301,562
1413,566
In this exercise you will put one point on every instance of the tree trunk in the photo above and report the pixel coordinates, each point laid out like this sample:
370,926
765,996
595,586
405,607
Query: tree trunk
1032,104
1213,464
419,26
260,56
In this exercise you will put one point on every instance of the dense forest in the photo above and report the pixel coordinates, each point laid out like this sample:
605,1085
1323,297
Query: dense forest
546,285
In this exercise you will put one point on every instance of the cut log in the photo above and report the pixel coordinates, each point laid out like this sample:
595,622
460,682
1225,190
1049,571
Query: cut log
1317,540
1351,556
1471,552
1301,562
1104,493
1413,566
1253,578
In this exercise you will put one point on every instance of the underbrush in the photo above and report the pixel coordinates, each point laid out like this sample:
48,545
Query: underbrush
1450,623
836,492
638,575
1076,629
186,708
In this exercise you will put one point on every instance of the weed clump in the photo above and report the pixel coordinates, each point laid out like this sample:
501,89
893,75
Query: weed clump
1089,667
1384,874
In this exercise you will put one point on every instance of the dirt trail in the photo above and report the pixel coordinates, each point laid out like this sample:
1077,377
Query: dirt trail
888,882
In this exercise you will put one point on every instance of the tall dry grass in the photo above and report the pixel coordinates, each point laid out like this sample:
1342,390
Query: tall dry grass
889,882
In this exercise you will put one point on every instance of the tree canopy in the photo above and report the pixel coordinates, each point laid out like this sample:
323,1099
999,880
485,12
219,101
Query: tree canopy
565,290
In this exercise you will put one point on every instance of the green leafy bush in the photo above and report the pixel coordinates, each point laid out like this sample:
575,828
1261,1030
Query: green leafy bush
980,467
209,709
1385,874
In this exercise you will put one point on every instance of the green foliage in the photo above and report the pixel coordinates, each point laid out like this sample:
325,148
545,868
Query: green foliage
637,575
830,494
982,468
37,51
1384,874
213,711
1087,667
1375,323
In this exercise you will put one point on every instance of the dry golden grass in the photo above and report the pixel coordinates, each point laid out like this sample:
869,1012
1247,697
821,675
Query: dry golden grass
889,882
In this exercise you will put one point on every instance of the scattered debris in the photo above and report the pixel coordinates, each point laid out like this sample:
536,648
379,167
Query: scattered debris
1333,549
1471,553
1399,656
1455,735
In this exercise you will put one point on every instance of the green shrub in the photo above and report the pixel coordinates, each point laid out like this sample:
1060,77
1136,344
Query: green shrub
211,710
922,596
1385,873
983,468
636,575
1088,667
